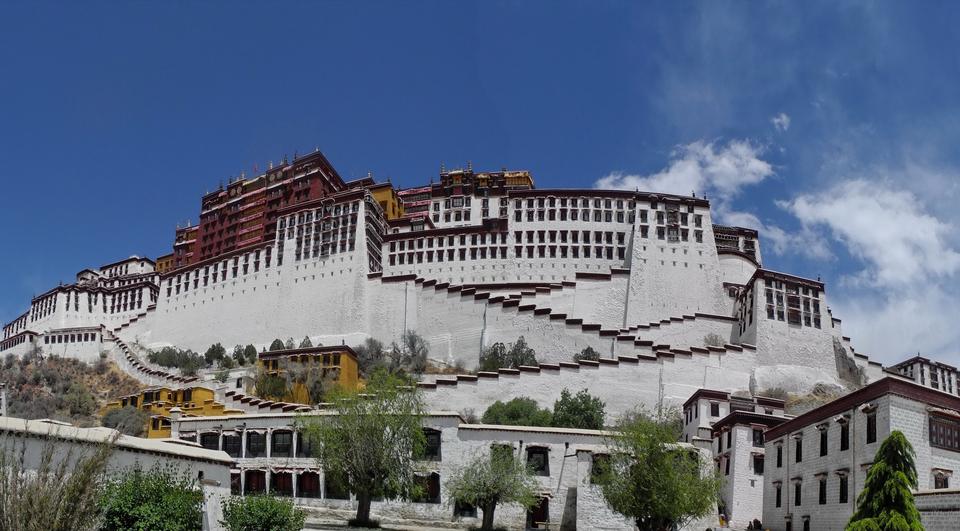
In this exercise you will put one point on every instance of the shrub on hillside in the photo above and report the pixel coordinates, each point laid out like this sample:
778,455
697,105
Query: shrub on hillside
497,356
261,513
587,354
188,361
582,411
127,420
520,411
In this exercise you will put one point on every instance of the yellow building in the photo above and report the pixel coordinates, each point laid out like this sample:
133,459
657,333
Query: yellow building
158,401
386,196
337,363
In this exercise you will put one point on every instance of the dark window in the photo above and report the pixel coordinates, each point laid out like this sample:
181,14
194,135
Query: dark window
235,484
210,441
726,466
871,428
779,456
945,433
539,515
281,484
758,464
255,482
844,437
256,444
823,491
308,485
281,444
806,524
941,481
797,493
730,439
799,450
431,452
429,488
823,442
538,459
843,489
714,409
758,437
779,492
231,445
464,510
303,445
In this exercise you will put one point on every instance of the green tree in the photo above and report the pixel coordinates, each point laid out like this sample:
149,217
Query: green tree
238,356
188,361
215,353
497,356
270,386
127,420
306,343
370,443
277,345
250,352
289,344
587,354
886,501
261,513
582,411
487,481
155,499
520,411
226,363
652,479
370,356
60,494
79,400
415,349
222,375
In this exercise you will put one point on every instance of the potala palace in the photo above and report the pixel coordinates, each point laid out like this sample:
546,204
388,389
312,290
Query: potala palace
682,311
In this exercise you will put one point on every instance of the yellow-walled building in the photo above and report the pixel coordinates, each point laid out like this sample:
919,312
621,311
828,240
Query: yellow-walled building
338,362
386,196
158,401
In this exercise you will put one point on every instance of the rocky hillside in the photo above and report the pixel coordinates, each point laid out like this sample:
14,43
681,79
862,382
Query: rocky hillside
62,388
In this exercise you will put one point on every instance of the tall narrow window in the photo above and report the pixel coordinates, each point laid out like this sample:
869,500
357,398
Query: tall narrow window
779,492
843,490
823,491
844,436
799,450
823,442
871,428
797,494
779,456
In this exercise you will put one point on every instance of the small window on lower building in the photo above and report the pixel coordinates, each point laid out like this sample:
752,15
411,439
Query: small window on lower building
941,480
871,428
822,492
714,409
538,459
844,493
758,464
779,495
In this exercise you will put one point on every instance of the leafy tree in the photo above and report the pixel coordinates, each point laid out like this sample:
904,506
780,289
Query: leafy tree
238,356
156,499
270,386
653,480
289,344
306,343
713,340
886,501
188,361
416,350
497,356
587,354
369,356
79,400
127,420
487,481
250,352
215,353
226,363
369,445
277,345
222,375
520,411
261,513
578,411
60,494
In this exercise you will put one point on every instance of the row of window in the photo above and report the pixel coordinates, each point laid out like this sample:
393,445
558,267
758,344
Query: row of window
871,437
83,337
843,490
218,272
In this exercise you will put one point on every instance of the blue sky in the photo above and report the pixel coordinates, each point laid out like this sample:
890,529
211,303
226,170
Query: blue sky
829,127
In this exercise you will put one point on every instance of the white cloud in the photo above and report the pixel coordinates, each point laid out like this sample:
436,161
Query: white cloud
887,229
781,122
700,167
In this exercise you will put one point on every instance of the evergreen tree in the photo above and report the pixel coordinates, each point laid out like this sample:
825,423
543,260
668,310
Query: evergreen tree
497,356
250,352
238,356
277,345
886,501
290,344
306,343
